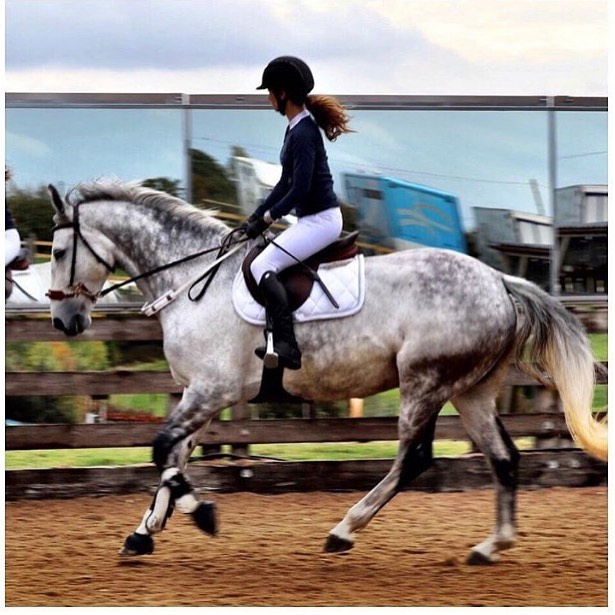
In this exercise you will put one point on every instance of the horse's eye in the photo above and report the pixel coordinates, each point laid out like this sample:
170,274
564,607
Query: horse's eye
59,254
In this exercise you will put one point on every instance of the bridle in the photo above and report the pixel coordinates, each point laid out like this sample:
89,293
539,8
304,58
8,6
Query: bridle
80,289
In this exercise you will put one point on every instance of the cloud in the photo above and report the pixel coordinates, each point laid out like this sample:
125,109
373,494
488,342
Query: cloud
184,34
409,47
120,34
504,31
27,145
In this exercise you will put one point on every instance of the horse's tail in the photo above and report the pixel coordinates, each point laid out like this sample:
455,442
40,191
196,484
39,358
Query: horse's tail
558,353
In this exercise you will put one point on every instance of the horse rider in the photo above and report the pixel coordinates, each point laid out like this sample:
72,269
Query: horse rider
12,240
306,185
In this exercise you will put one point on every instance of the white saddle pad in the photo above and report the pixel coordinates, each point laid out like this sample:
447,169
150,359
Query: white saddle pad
345,280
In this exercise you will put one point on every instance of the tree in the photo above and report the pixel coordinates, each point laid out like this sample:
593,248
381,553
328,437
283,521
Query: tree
210,180
32,212
165,184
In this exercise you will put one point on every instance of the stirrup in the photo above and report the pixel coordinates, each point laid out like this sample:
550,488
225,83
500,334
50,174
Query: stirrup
289,357
271,359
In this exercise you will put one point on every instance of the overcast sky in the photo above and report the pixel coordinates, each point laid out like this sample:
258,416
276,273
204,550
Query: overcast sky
449,47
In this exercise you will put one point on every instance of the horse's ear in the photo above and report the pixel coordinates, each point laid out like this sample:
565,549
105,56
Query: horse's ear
56,200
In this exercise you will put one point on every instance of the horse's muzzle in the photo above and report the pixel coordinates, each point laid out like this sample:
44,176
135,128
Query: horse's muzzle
76,325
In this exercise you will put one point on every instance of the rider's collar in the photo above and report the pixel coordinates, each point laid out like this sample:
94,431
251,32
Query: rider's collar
298,118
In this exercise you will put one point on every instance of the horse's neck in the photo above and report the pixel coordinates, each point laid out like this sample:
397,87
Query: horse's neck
146,239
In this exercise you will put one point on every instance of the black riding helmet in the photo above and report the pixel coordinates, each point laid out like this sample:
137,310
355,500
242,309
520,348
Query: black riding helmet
289,74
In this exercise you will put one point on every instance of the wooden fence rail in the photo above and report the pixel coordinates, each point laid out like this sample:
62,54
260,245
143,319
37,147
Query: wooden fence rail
124,322
125,381
266,431
120,323
132,326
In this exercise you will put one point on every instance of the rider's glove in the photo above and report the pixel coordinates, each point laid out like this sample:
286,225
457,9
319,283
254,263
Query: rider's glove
254,227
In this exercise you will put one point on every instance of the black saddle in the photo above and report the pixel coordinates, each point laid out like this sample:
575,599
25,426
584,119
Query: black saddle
297,279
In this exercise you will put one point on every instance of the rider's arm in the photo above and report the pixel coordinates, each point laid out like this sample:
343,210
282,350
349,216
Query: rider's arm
279,190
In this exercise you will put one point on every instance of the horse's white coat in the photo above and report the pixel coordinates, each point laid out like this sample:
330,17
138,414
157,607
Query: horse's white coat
437,324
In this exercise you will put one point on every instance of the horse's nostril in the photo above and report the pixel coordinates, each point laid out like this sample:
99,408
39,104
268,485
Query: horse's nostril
58,324
79,323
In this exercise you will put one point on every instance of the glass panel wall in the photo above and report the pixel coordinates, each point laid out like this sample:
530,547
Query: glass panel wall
67,146
475,178
581,204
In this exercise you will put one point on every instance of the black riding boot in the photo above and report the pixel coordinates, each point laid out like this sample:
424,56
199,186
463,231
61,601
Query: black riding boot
278,311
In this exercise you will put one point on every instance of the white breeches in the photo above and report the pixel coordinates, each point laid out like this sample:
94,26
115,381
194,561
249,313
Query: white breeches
12,245
303,239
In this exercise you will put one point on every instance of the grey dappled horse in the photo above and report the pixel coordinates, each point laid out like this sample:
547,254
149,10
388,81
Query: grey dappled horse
437,324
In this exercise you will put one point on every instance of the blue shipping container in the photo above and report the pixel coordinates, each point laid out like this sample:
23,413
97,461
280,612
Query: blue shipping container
411,215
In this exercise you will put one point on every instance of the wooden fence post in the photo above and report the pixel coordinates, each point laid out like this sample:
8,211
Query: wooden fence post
99,406
308,410
240,412
355,407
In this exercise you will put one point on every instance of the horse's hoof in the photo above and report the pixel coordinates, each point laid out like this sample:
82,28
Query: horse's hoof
337,545
138,544
205,517
479,559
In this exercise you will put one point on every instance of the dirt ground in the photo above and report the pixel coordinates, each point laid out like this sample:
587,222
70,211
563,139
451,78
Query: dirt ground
269,553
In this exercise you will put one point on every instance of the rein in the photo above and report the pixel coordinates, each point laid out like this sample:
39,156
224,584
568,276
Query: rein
80,289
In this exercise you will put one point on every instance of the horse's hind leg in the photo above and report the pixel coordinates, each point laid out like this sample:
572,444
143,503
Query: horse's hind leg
171,451
477,410
415,456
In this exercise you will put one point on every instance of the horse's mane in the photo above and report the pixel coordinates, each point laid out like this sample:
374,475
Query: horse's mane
134,192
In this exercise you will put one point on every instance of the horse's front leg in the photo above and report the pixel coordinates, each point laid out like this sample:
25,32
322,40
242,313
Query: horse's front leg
171,450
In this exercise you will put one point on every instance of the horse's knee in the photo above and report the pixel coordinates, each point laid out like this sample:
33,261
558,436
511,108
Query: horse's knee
163,443
172,447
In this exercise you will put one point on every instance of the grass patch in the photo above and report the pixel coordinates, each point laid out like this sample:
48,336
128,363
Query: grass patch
76,458
326,451
600,345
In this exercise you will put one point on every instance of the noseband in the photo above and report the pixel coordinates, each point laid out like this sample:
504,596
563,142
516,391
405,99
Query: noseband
79,289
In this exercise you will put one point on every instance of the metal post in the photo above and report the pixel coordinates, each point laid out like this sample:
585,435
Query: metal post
187,129
552,145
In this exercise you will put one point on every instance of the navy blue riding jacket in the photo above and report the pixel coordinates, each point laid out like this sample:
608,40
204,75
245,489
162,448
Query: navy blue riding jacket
306,184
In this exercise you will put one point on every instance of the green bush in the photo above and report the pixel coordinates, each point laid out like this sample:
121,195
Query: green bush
52,357
45,409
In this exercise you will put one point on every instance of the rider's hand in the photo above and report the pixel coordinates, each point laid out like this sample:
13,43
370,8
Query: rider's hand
254,227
